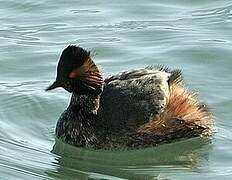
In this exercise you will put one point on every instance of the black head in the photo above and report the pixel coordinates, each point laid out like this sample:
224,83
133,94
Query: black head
76,72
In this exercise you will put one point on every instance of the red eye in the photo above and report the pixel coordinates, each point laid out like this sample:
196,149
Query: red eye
72,75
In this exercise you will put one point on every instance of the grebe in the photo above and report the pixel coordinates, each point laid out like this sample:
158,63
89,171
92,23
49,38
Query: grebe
132,109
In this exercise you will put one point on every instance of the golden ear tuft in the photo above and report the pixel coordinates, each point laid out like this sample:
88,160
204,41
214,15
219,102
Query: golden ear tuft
88,72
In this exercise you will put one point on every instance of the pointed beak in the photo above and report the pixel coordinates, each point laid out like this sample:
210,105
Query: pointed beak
56,84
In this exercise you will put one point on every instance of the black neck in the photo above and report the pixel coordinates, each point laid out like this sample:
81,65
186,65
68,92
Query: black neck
88,103
78,124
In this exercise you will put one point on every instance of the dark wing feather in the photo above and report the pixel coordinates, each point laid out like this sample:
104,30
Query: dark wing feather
132,98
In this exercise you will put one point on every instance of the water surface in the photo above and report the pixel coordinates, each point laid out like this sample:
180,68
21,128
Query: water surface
194,36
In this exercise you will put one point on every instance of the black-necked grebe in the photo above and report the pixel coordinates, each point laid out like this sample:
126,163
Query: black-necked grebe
136,108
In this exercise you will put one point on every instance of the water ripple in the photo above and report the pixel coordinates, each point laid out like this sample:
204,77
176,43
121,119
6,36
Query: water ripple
214,15
85,11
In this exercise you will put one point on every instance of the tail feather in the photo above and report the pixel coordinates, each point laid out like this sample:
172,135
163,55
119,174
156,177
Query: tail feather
176,77
184,115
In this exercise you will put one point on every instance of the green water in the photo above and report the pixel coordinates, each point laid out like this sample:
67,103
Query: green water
195,36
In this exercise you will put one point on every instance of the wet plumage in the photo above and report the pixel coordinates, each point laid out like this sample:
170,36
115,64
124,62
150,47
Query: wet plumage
136,108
